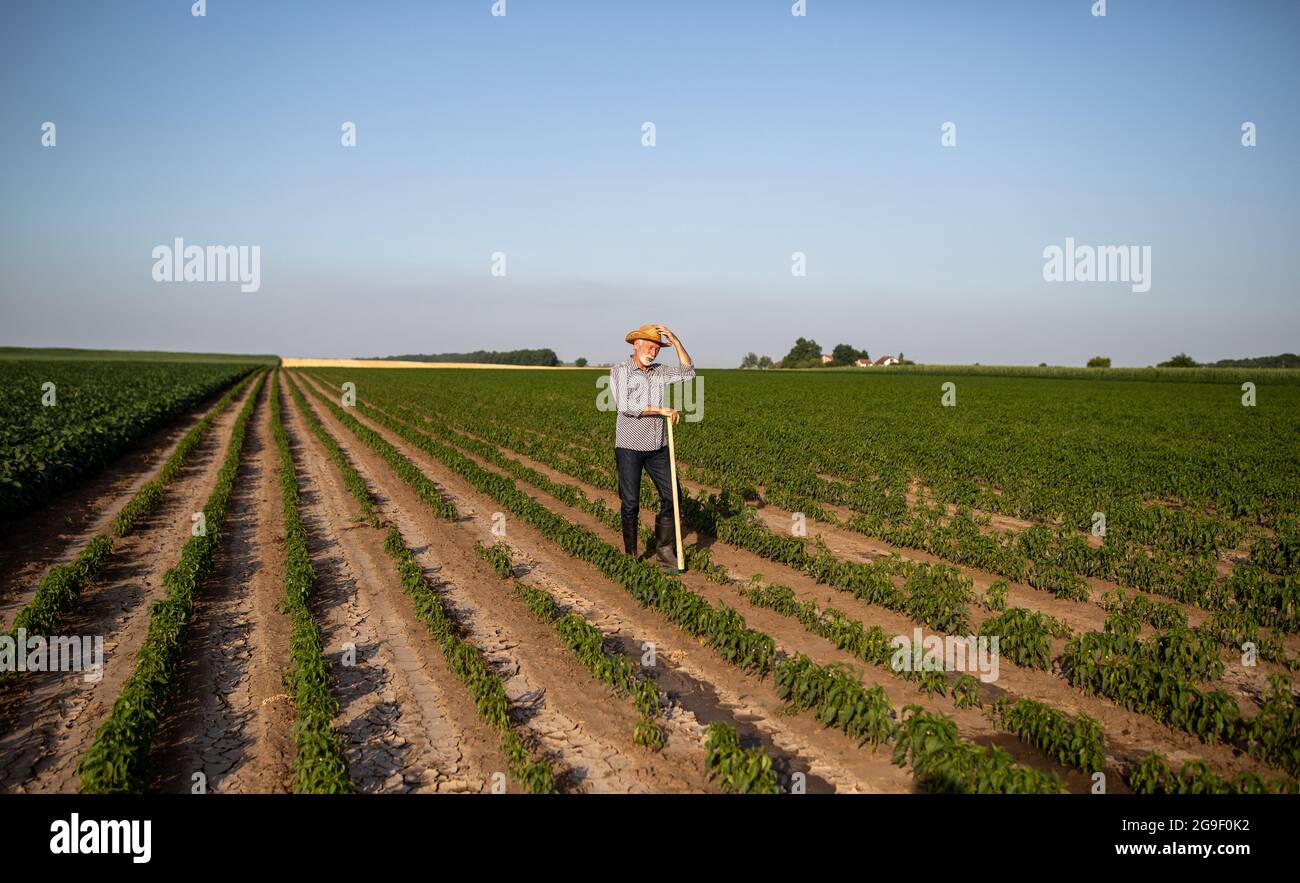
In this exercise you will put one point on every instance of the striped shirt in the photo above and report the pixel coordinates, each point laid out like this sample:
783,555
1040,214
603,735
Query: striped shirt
634,391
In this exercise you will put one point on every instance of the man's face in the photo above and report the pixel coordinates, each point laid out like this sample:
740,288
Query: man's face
646,351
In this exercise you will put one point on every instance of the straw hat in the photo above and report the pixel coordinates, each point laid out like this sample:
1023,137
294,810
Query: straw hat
645,332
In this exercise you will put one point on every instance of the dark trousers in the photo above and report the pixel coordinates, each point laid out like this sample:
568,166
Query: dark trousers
630,464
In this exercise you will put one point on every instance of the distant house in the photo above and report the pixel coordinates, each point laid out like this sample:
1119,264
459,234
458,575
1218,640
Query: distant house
826,360
862,363
886,360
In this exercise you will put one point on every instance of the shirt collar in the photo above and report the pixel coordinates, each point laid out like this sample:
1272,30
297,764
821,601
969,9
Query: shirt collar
635,367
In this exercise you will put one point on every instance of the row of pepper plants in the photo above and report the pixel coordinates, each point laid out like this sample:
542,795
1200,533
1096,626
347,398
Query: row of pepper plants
737,769
1155,775
319,765
587,645
352,480
1073,741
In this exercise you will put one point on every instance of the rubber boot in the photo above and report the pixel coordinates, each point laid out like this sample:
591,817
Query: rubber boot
666,548
629,534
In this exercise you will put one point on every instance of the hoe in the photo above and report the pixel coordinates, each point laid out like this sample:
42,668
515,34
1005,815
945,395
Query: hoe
677,500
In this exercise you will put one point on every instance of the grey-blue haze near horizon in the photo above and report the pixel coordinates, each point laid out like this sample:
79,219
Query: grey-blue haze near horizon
775,134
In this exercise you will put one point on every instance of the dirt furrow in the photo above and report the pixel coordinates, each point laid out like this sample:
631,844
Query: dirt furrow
50,719
227,725
408,720
584,729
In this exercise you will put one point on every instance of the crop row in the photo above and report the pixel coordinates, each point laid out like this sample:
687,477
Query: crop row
319,766
467,662
1076,741
947,764
736,769
1154,775
405,469
355,484
116,761
587,645
1073,741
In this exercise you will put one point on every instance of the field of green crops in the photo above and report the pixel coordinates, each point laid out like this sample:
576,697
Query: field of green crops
61,419
1131,545
1184,472
1194,486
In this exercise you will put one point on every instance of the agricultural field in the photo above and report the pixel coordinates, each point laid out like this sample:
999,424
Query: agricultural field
63,418
341,579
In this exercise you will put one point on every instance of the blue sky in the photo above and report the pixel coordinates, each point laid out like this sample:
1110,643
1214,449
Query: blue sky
775,134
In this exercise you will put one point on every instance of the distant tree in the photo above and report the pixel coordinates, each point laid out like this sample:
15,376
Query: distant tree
1285,360
750,361
765,362
1099,362
581,363
843,354
1042,364
804,354
545,357
1182,360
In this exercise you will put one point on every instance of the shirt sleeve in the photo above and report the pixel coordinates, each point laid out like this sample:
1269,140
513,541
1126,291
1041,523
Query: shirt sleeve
673,375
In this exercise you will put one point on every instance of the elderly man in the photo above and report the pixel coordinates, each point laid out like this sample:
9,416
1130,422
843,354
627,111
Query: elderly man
640,437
